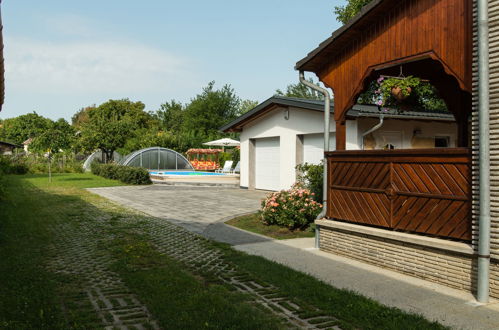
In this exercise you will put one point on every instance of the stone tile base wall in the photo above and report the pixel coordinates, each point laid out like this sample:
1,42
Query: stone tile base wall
444,267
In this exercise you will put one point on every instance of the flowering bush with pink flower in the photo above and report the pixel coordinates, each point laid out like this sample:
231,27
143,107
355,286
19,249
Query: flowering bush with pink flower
294,208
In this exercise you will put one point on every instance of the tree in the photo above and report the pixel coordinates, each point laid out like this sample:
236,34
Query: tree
111,124
348,11
23,127
171,116
301,91
81,116
247,105
58,136
210,110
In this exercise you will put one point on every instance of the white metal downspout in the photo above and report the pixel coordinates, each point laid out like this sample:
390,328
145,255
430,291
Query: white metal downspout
374,128
327,109
484,154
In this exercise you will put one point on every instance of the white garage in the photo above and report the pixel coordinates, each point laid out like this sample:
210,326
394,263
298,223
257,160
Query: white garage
313,147
267,163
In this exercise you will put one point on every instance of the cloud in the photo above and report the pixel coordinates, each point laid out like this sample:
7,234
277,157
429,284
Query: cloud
92,67
67,24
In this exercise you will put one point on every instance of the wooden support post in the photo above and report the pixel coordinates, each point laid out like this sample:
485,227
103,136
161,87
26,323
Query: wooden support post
341,135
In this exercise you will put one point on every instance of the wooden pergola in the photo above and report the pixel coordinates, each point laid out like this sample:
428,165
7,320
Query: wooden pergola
423,191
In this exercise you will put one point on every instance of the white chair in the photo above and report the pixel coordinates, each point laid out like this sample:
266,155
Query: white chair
226,168
236,169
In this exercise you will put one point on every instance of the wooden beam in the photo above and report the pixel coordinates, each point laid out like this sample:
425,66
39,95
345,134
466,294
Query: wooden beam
341,135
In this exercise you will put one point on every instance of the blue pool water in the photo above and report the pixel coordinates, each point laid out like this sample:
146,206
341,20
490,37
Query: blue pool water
187,173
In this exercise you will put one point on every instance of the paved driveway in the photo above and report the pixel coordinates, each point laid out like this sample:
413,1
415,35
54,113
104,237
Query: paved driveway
199,209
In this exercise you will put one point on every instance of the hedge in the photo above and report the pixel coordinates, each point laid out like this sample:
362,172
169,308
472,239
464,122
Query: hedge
11,165
126,174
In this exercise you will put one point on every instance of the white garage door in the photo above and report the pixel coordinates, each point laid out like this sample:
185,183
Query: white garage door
313,147
267,164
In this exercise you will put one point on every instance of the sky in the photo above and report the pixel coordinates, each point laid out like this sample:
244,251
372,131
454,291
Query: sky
63,55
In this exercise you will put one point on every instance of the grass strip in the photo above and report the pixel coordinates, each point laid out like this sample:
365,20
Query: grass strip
358,311
180,299
31,297
253,224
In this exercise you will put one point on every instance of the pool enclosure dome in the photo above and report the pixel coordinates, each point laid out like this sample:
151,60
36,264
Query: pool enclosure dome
99,156
157,158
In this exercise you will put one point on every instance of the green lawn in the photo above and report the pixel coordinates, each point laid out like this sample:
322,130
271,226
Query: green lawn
69,180
32,297
253,223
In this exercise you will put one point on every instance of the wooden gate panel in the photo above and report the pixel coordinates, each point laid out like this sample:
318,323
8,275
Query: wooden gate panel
361,207
422,191
358,194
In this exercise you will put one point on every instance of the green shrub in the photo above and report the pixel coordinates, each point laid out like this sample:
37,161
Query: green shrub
311,177
233,155
236,155
39,164
223,157
126,174
2,187
294,208
12,165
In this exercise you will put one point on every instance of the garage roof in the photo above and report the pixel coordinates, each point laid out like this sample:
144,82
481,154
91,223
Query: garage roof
361,110
316,105
270,104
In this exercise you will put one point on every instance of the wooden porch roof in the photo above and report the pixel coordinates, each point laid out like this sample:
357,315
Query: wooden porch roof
314,61
390,32
431,39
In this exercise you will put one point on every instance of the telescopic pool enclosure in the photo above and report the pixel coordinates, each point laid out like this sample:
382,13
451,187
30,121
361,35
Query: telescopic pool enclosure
157,158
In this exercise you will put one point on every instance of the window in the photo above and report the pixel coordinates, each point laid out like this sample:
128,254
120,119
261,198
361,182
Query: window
442,141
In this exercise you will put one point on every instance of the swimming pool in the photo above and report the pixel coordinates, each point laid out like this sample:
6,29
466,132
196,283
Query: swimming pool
186,173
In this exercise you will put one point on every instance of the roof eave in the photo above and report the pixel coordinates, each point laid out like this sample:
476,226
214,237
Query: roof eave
304,63
234,126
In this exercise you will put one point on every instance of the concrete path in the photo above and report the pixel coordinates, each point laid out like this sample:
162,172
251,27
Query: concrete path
450,307
203,210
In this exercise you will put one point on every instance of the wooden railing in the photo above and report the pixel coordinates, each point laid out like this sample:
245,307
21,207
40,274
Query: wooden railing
415,190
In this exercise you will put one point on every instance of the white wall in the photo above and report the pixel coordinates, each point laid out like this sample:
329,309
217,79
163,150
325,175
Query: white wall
426,129
274,124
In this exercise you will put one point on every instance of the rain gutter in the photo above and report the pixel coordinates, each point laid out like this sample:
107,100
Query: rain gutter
327,114
483,277
374,128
